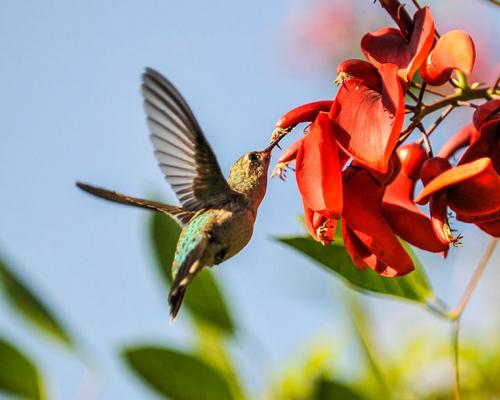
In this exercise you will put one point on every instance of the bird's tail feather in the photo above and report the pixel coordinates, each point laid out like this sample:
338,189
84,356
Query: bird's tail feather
185,273
183,278
181,215
175,299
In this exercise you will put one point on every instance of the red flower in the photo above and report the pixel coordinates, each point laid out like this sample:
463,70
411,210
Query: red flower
438,206
486,112
304,113
369,239
405,218
320,227
319,163
486,144
471,189
287,157
388,45
318,169
453,50
368,112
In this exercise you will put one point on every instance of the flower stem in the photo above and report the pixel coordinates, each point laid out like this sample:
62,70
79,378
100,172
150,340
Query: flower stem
462,95
454,342
419,105
440,119
428,90
456,314
452,101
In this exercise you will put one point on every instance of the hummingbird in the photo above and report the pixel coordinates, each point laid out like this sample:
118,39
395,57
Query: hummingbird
216,215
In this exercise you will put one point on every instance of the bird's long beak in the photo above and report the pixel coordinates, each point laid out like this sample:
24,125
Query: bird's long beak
271,146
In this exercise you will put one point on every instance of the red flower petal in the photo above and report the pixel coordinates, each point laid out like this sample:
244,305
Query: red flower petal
453,50
487,144
489,223
491,228
438,206
388,45
398,208
473,188
361,256
486,112
367,121
358,252
320,227
288,156
362,212
290,153
318,169
474,219
304,113
438,209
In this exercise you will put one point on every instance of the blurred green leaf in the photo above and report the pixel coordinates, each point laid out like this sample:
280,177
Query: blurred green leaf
176,375
414,286
298,381
30,307
18,374
211,347
330,390
204,298
362,325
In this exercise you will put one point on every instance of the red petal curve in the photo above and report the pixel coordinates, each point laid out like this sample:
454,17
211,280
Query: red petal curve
453,50
472,188
318,170
399,210
367,123
362,212
388,45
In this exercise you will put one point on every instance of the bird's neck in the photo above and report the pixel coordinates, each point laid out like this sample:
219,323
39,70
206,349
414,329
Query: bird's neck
253,188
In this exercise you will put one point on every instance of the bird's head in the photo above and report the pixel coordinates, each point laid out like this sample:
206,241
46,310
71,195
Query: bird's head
248,174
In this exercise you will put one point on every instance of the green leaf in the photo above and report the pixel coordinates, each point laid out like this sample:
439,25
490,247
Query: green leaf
211,347
203,298
18,374
30,307
414,286
330,390
368,347
176,375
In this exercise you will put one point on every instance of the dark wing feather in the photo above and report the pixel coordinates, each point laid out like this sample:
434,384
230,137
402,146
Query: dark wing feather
182,216
183,153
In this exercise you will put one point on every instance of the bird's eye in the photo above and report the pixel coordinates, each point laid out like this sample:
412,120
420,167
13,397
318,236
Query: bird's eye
253,156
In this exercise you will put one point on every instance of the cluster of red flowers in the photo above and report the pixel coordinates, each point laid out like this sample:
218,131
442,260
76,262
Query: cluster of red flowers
350,165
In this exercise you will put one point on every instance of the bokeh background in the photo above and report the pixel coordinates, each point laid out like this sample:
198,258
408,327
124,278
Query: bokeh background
71,110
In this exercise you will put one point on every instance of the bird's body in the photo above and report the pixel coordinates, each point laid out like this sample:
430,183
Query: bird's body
217,216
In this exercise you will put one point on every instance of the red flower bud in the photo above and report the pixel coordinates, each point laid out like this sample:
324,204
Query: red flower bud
432,168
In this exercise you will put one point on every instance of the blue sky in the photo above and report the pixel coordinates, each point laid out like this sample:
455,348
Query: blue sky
71,110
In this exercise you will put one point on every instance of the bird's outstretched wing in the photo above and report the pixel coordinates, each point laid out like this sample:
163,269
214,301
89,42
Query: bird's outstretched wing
183,153
182,216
